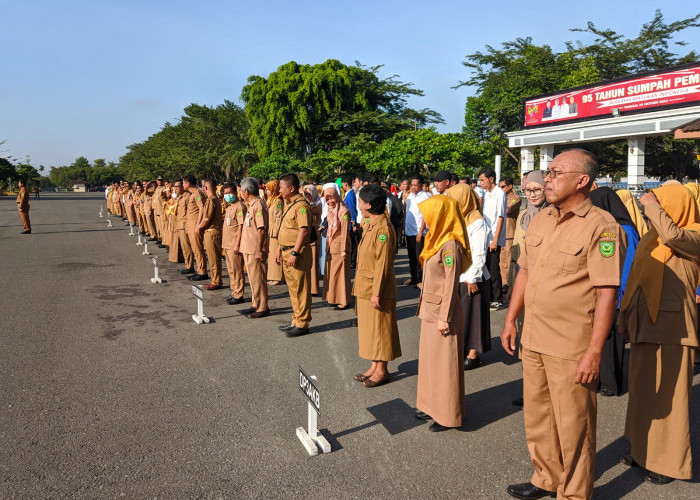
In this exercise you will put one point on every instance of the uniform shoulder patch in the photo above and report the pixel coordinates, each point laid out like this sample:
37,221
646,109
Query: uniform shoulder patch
240,213
449,260
607,248
382,237
345,217
303,210
279,207
607,235
199,198
258,213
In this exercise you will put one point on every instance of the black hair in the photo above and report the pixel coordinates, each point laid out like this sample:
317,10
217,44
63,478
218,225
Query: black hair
347,180
467,179
375,196
508,181
419,178
370,179
454,178
292,180
488,173
191,179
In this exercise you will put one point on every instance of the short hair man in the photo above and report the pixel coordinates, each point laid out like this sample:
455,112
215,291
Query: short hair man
195,204
494,211
254,246
211,225
23,206
414,227
442,181
569,274
513,203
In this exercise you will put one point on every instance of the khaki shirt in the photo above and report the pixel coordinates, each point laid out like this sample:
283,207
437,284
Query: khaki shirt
375,261
233,221
513,203
297,214
22,199
158,200
195,203
212,211
275,212
567,258
439,297
255,219
182,204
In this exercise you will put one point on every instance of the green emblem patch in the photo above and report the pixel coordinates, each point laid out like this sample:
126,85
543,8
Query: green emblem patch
240,213
449,260
279,207
199,198
303,210
258,213
607,248
382,238
345,217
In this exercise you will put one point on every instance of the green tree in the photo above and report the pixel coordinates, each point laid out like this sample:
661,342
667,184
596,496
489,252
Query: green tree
300,110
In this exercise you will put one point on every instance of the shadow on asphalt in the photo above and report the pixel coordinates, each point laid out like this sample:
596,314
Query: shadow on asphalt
491,405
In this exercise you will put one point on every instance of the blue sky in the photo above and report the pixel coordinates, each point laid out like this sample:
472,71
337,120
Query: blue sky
90,77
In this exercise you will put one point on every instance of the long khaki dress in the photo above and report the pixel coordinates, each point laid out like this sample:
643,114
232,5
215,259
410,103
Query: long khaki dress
275,211
662,356
440,357
315,265
377,331
336,277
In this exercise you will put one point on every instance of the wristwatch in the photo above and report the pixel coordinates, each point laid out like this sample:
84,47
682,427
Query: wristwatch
295,253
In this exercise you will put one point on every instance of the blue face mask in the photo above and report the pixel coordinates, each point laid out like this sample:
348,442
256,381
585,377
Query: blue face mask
230,198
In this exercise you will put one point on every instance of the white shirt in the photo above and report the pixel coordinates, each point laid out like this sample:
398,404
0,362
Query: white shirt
358,219
556,111
414,219
479,192
564,110
479,236
494,207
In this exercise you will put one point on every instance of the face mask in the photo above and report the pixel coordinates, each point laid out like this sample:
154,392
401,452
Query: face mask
230,198
174,195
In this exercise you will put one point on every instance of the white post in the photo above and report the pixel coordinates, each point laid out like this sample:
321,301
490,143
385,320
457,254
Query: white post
156,278
199,318
527,159
310,437
497,164
139,243
145,249
635,165
131,229
101,211
546,156
109,223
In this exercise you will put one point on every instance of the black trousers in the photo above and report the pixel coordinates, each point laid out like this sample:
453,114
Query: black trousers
414,250
493,260
612,361
355,237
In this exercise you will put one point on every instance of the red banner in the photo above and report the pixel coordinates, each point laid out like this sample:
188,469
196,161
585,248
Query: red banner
664,89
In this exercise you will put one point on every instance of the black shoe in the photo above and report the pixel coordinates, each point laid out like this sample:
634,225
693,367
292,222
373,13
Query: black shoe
604,391
295,331
185,270
518,402
259,314
421,415
286,327
470,364
659,479
435,427
233,300
527,491
248,311
151,239
496,305
200,277
160,245
627,460
26,232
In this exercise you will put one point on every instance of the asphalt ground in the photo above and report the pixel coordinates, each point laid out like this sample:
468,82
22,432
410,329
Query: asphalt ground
110,390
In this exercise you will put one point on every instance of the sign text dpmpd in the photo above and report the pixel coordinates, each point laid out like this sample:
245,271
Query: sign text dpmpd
197,292
309,389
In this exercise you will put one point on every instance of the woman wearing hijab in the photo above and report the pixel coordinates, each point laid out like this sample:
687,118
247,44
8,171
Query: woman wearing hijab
275,210
633,210
659,318
612,359
474,283
375,289
311,195
444,257
336,278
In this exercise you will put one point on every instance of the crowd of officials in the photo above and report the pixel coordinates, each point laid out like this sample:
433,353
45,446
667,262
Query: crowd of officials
581,269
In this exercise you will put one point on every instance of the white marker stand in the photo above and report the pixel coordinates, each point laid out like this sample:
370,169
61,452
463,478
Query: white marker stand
101,211
199,318
131,230
311,438
109,222
156,278
145,249
139,243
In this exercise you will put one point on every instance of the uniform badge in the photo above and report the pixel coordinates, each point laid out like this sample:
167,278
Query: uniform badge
607,248
382,238
240,213
303,210
345,217
258,213
607,235
199,198
279,207
449,260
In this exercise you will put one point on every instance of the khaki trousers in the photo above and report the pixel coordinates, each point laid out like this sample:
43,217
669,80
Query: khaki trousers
234,264
298,280
212,245
197,244
658,412
24,216
257,275
150,221
560,425
159,226
184,240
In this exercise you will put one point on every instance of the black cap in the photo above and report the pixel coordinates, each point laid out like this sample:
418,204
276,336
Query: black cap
442,175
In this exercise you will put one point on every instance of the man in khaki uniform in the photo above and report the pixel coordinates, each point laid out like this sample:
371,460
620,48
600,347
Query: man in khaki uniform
182,199
210,226
254,246
23,207
158,209
231,241
513,203
195,204
569,274
294,254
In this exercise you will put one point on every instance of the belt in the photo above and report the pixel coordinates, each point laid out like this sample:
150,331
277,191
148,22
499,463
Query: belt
287,248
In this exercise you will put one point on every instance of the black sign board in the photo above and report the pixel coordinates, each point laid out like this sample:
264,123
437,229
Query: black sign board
309,389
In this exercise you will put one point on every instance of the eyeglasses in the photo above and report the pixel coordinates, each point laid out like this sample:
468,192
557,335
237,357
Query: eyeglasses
553,173
533,192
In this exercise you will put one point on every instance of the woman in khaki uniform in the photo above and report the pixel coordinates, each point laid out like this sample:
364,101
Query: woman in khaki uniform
658,316
275,210
444,257
633,210
311,195
336,277
174,252
375,289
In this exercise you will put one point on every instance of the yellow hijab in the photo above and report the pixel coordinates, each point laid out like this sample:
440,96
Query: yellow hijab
651,255
694,189
445,222
633,209
468,202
